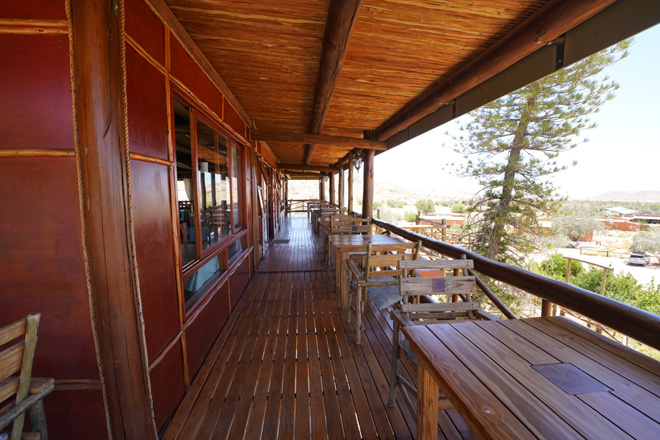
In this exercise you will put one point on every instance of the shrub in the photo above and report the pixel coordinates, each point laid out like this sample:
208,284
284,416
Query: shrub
458,207
425,206
410,216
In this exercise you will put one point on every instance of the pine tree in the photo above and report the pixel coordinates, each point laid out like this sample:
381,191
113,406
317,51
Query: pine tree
512,147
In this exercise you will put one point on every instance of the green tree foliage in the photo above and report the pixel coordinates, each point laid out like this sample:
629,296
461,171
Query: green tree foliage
647,242
622,287
575,221
425,206
458,207
512,147
410,217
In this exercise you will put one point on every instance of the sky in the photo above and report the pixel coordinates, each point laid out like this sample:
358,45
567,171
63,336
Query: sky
623,152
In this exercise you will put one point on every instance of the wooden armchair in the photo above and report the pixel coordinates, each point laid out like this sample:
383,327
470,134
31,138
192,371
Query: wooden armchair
458,306
342,224
374,275
28,392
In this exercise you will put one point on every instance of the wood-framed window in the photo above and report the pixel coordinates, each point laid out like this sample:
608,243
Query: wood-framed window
210,196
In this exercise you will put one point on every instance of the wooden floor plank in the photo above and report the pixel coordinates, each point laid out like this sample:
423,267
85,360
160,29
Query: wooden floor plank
287,365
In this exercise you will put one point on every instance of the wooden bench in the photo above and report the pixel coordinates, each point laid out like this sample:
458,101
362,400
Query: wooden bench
19,392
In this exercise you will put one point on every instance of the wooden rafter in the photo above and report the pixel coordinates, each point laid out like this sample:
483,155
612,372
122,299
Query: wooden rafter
309,174
299,167
301,138
342,16
550,22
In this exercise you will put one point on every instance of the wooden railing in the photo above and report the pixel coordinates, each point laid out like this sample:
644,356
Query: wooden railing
635,323
298,205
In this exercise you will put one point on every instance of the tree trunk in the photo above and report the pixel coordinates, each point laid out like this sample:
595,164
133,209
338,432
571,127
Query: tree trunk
510,172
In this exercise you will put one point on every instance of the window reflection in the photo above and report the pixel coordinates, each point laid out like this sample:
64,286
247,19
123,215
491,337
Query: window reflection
234,250
235,185
213,172
196,284
184,182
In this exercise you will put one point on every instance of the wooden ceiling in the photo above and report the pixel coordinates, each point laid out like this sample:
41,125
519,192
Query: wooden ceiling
384,64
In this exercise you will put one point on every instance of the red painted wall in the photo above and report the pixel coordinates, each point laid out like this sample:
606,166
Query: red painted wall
41,234
42,266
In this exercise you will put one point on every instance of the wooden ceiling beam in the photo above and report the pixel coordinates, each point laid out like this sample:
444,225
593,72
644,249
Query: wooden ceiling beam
304,175
548,23
302,138
301,167
339,25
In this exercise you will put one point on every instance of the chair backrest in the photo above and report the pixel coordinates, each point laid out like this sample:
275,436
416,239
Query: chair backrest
460,284
384,262
16,362
348,224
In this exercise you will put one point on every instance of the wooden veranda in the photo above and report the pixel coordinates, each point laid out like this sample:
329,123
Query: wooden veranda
286,365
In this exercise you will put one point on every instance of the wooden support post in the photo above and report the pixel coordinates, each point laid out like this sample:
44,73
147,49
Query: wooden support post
322,188
340,185
368,190
286,194
108,234
350,182
331,196
256,225
443,230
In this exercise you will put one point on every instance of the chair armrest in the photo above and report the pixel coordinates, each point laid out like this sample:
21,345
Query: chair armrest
357,274
401,318
25,404
485,315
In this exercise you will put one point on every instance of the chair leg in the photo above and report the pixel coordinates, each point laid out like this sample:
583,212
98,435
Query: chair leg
38,419
394,376
358,317
348,297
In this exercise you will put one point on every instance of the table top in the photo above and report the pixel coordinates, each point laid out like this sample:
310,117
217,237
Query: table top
541,378
358,241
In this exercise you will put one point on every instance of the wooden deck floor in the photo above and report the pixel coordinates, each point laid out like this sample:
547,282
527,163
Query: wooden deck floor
286,365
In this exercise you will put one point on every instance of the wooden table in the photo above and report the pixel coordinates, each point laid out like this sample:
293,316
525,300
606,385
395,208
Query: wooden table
344,244
535,378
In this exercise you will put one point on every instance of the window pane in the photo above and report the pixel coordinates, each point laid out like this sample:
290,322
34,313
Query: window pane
184,184
196,284
213,177
236,186
234,250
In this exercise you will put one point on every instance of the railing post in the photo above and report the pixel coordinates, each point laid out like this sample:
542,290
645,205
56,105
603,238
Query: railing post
546,308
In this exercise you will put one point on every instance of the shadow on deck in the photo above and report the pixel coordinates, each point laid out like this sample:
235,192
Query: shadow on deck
286,365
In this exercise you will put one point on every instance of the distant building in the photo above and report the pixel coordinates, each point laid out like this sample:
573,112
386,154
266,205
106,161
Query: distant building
648,219
619,211
451,220
621,225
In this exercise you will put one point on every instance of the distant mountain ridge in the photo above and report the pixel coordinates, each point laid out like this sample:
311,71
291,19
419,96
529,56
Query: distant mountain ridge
627,196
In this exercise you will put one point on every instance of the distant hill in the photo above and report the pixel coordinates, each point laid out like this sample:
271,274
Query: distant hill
627,196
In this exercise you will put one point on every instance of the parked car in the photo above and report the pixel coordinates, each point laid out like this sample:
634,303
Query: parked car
640,258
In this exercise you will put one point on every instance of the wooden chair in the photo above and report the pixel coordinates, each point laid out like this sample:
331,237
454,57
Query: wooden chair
415,311
343,224
375,276
29,392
